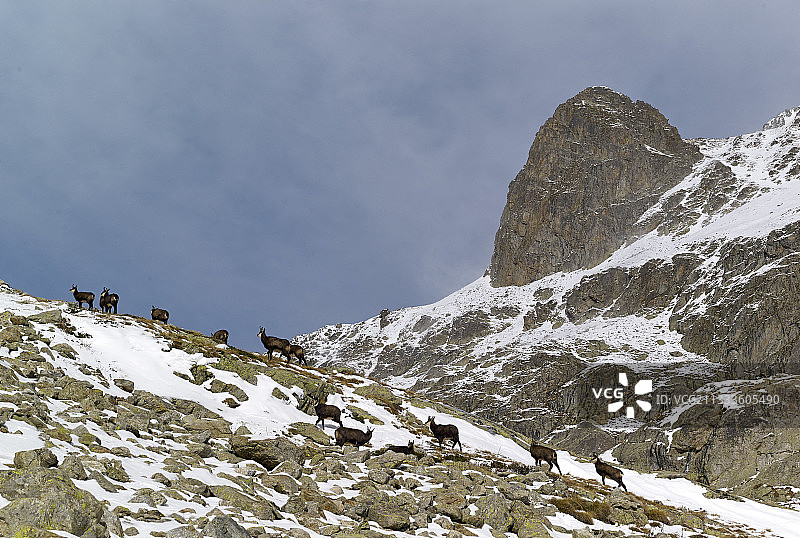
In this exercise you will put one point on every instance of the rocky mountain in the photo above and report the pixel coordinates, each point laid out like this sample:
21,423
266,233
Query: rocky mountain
625,255
594,168
114,425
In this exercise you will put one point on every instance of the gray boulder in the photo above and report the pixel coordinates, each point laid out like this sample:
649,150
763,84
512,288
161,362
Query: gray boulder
389,515
494,511
268,452
529,522
73,467
65,350
450,503
224,527
10,335
47,499
230,496
125,384
50,316
39,457
291,468
184,532
310,431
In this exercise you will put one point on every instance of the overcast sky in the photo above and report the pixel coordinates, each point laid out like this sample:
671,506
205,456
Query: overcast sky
293,164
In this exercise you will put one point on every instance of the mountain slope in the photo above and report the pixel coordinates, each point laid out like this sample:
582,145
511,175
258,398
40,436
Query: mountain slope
112,425
700,288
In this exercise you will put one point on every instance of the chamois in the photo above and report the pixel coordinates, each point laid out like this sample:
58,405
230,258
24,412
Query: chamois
83,297
221,336
108,300
444,431
273,343
402,449
330,412
345,435
606,470
159,314
297,352
549,455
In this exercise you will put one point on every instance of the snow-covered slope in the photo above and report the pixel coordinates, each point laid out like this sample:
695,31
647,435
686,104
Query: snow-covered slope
147,453
700,214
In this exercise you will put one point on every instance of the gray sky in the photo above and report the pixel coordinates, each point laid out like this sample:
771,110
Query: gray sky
293,164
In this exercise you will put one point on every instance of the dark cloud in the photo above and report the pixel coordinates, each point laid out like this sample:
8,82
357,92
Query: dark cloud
291,164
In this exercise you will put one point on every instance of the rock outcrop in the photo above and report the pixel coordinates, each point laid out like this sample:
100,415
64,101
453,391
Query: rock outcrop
42,498
594,168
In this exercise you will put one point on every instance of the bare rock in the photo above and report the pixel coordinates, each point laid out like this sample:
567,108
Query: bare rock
268,452
598,151
494,510
47,499
389,515
124,384
224,527
39,457
49,316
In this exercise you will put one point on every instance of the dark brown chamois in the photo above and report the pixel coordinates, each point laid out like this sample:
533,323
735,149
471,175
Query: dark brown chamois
330,412
221,336
159,314
297,352
108,301
353,436
444,431
83,297
542,453
409,449
606,470
273,343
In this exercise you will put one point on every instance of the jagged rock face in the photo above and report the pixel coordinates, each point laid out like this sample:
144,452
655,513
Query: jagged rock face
594,168
751,313
741,444
741,310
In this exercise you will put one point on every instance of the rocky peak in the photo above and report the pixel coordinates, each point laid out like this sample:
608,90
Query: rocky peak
594,168
789,116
